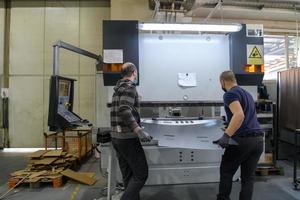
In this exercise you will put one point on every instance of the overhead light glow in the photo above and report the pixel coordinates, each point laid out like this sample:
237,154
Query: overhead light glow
24,150
190,27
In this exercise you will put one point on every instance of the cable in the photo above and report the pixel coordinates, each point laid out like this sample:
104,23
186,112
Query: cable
119,186
156,8
95,146
222,14
21,181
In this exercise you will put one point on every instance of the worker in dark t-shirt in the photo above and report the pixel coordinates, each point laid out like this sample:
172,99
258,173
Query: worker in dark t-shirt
242,139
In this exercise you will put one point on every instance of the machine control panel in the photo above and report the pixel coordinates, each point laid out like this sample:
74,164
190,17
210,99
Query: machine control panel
69,116
61,115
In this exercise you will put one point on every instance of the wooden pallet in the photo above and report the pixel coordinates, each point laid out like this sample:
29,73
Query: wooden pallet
57,181
265,171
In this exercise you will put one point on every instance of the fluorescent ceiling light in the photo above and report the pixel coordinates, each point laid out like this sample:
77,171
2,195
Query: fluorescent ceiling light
190,27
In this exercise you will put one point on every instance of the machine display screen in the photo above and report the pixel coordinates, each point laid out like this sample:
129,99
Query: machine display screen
64,93
64,87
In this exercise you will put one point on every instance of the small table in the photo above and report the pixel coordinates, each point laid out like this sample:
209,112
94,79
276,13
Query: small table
75,141
296,179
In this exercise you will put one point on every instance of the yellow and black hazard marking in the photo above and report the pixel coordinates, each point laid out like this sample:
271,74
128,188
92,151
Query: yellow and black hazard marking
255,55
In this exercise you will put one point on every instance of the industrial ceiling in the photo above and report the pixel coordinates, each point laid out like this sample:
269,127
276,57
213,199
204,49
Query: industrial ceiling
278,10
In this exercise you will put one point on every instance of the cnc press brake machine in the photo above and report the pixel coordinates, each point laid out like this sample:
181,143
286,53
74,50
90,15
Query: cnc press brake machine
182,150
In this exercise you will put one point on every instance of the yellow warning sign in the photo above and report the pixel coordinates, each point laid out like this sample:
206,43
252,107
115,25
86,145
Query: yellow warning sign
255,55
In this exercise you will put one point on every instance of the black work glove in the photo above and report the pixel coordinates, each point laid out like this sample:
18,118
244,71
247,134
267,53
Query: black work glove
225,141
144,136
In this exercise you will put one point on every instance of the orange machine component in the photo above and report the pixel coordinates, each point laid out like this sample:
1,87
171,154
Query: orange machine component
254,68
112,67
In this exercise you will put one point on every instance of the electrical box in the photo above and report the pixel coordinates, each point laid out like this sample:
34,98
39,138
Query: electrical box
120,45
247,54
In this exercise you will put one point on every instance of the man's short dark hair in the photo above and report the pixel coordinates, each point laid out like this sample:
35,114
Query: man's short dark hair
127,69
228,76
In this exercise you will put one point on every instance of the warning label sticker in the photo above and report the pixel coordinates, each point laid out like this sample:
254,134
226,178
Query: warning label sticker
255,55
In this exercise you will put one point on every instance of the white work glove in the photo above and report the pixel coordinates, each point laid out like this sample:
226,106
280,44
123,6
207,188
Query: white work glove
143,135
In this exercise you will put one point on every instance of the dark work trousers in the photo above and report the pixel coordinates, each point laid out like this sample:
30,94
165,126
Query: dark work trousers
133,166
246,156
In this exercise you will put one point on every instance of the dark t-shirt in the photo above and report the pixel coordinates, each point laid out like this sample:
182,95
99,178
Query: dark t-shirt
250,123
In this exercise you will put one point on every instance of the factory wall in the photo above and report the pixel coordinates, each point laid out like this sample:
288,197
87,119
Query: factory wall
131,10
1,62
1,35
35,26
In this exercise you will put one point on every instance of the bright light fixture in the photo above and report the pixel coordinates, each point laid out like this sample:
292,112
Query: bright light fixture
24,150
190,27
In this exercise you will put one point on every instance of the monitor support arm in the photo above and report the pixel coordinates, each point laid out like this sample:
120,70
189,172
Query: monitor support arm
60,44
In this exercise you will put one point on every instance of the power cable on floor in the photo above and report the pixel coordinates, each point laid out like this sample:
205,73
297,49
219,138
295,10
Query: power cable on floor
21,181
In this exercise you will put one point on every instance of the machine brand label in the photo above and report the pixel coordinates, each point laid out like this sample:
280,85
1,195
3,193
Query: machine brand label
254,30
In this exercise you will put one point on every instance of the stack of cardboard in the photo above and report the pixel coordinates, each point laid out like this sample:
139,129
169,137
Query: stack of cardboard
45,165
54,160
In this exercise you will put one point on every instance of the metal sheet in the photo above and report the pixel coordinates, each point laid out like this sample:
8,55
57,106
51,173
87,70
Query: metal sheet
181,133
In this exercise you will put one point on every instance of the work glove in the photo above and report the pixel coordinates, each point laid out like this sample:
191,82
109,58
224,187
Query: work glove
144,136
225,141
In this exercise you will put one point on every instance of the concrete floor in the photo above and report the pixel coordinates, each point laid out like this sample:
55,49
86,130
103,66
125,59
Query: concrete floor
266,188
10,162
